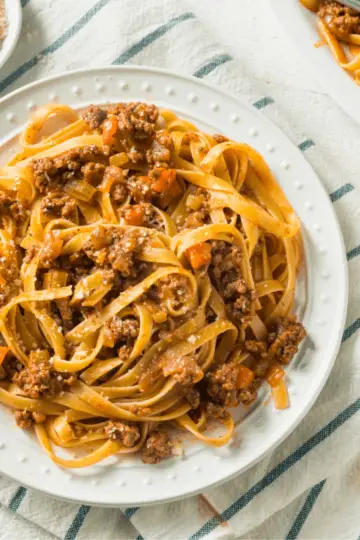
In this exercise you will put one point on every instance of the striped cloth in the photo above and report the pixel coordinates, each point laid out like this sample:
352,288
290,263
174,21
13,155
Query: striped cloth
309,487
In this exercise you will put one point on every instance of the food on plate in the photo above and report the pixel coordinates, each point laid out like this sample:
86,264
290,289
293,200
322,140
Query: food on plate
3,22
147,280
339,29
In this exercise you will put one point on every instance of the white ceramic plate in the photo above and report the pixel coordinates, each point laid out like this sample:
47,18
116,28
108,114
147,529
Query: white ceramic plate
14,19
322,299
300,25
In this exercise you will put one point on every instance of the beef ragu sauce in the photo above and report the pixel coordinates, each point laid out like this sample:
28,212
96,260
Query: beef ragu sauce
339,28
132,180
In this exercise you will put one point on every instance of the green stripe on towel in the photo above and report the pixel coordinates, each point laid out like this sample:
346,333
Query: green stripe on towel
305,511
150,38
17,499
77,522
213,64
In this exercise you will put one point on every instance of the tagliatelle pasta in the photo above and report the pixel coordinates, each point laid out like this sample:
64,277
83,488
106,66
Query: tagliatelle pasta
339,29
147,280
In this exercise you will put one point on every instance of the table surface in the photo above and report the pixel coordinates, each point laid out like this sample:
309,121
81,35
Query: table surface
251,33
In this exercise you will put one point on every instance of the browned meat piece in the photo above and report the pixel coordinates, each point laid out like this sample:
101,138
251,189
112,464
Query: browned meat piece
193,397
226,263
26,419
196,219
222,386
93,173
58,204
127,434
9,368
285,341
39,380
156,448
66,313
261,366
225,273
119,193
256,347
137,119
184,369
212,410
10,206
235,288
140,189
52,173
160,152
116,248
340,19
94,116
123,329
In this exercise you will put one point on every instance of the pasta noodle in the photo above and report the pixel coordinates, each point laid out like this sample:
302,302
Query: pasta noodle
339,29
147,279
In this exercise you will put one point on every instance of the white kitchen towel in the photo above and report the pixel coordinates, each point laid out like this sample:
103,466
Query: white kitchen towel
309,487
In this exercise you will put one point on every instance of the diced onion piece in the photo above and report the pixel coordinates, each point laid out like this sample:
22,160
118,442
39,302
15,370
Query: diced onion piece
275,374
280,395
119,159
39,357
245,377
80,190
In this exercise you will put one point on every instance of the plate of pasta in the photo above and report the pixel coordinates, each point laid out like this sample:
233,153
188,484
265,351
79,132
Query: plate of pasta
327,34
168,264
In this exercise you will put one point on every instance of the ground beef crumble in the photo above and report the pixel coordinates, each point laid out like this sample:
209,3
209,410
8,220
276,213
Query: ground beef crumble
127,434
39,380
156,448
340,19
123,329
27,419
222,386
58,204
117,249
284,341
54,173
225,273
94,116
10,206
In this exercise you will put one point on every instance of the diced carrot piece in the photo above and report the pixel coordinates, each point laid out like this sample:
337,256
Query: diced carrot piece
175,189
199,255
275,374
3,353
135,215
280,395
110,128
163,180
245,377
